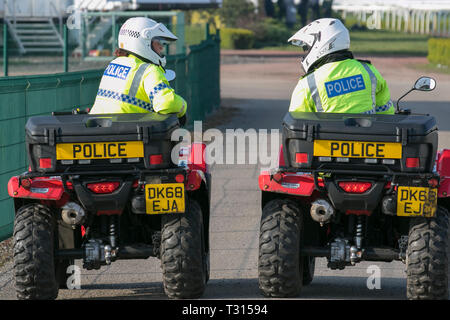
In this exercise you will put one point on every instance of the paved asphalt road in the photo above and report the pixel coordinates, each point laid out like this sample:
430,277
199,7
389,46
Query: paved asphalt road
256,95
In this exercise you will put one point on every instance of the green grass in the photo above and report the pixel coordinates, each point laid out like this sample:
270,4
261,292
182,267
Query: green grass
379,43
432,67
388,43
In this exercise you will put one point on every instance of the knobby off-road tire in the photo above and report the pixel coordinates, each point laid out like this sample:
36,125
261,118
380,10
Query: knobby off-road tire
34,266
426,257
280,266
182,253
309,264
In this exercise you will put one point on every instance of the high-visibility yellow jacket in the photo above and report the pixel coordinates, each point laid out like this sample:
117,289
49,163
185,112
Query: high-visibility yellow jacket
346,86
130,85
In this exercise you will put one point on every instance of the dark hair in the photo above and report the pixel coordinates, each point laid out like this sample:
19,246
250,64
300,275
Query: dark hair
121,53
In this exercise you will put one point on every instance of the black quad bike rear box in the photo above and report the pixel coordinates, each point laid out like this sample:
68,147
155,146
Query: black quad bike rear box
417,134
44,133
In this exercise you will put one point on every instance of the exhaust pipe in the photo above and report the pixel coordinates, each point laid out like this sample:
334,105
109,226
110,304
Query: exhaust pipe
72,213
322,211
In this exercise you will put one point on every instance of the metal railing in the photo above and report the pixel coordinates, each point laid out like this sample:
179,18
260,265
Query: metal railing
88,19
424,17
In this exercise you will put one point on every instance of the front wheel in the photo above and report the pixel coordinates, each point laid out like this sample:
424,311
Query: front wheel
280,265
426,257
182,253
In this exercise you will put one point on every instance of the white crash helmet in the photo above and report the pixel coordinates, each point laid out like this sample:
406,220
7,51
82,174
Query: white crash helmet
136,36
320,38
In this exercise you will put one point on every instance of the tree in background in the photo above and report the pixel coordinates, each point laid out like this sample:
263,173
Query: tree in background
318,11
291,14
269,8
237,13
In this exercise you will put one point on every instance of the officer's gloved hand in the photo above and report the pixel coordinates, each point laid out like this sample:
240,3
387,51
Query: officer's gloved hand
182,120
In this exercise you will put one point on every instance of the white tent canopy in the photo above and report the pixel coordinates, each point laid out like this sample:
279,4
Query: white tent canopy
416,16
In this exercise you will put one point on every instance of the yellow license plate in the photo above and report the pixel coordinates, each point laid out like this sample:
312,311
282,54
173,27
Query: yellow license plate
416,201
99,150
164,198
357,149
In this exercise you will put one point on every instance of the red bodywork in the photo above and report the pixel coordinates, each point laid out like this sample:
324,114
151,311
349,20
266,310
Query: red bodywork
443,169
289,183
52,189
303,184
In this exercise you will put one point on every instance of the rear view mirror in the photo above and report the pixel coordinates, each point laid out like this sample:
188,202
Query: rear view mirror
422,84
425,84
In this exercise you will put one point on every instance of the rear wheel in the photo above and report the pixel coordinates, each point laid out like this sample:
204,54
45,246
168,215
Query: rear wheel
426,257
309,264
182,253
280,267
34,264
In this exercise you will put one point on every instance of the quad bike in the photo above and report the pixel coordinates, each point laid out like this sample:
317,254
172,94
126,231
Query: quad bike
351,188
103,188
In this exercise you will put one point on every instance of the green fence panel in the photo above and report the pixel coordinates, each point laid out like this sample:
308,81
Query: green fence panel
26,96
197,80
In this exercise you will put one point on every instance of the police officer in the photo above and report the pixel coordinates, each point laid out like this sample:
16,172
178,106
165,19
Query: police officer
135,82
334,80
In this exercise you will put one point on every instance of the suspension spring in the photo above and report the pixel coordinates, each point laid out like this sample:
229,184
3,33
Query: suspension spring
359,232
112,231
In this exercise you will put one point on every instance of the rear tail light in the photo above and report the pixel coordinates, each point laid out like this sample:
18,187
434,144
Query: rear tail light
25,183
156,159
277,177
301,158
355,186
103,187
412,162
45,163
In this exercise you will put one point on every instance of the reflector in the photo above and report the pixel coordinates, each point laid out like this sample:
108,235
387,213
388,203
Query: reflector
45,163
412,162
156,159
301,157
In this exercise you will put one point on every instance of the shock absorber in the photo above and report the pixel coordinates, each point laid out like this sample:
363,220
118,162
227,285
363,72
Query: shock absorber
112,231
356,249
359,232
111,250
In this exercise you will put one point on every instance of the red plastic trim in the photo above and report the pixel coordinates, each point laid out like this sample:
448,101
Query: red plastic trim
287,184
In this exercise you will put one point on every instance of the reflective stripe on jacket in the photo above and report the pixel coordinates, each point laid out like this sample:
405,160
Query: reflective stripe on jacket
129,85
347,86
